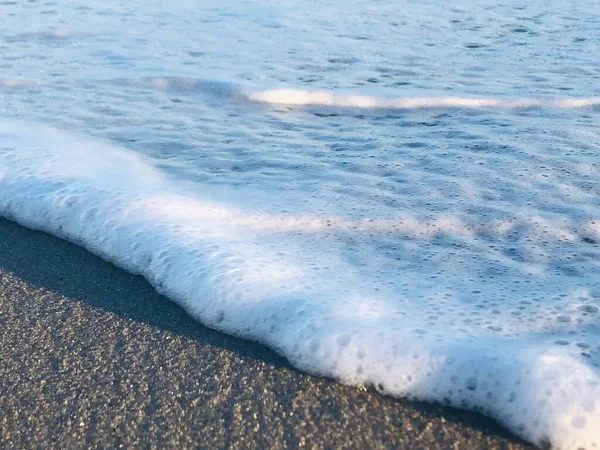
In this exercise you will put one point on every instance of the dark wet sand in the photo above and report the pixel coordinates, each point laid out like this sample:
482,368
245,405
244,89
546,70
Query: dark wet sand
93,357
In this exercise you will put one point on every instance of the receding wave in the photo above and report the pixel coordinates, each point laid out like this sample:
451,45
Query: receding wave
308,285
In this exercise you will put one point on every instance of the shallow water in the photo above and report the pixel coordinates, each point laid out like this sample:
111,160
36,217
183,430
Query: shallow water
404,194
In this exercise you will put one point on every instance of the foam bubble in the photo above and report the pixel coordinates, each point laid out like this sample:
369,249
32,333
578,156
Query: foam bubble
475,312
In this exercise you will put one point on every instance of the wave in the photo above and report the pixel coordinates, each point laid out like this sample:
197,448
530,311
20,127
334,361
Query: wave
283,280
300,97
297,97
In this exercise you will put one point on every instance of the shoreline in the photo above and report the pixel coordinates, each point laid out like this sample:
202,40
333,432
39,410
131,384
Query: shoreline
92,356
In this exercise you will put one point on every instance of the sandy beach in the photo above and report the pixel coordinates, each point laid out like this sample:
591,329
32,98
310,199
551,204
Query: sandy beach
93,357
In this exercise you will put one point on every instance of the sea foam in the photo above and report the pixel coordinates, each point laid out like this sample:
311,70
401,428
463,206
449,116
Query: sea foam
299,97
303,97
521,347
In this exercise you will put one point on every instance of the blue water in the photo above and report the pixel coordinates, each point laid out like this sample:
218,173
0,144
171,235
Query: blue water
399,194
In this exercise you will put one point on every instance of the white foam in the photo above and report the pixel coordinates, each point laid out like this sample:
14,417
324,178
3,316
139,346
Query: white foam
289,281
298,97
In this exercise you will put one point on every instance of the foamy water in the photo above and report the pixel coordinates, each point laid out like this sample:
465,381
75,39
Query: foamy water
398,195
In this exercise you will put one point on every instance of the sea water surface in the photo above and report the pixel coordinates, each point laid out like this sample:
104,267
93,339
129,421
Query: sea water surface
404,194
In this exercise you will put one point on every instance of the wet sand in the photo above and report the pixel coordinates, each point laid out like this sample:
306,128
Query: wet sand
93,357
